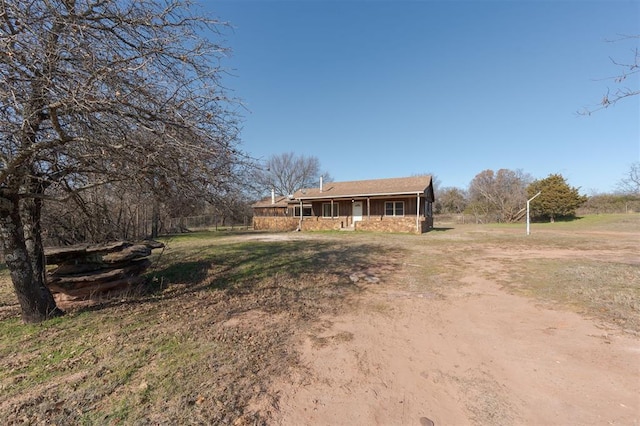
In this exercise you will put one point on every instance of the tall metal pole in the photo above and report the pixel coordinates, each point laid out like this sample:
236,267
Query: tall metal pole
528,201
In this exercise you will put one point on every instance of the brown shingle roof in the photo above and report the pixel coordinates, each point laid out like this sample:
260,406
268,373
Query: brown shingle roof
374,187
267,202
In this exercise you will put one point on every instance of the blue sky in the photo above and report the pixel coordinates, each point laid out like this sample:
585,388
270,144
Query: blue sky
378,89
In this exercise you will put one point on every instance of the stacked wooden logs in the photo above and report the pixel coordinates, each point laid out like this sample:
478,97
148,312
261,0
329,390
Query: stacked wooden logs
94,272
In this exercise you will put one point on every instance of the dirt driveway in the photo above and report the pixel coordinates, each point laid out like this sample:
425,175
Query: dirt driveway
474,353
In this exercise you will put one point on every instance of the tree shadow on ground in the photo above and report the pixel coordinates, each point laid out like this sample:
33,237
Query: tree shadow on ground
288,271
226,313
441,229
241,265
194,271
546,219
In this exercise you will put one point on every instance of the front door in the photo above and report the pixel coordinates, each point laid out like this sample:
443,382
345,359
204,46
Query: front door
357,211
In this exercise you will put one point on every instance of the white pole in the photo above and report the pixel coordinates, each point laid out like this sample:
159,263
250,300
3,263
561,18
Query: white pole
528,201
301,214
418,214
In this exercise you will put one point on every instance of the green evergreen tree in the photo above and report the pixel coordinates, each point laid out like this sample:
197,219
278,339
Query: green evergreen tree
557,198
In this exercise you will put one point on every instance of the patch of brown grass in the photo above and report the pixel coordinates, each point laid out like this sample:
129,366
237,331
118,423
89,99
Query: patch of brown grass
222,315
217,324
609,290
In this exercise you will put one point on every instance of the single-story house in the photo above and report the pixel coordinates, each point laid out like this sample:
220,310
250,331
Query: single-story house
388,205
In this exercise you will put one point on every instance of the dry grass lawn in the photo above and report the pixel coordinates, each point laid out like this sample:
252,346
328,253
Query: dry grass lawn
221,315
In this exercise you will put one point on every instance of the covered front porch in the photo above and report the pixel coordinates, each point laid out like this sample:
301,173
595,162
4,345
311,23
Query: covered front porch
409,214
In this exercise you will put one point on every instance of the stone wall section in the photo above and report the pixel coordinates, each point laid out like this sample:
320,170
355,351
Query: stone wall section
405,224
315,223
275,223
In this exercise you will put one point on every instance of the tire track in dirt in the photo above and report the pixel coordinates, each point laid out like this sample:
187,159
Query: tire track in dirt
470,354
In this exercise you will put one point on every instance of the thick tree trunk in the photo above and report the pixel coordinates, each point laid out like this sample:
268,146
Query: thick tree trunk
27,271
31,213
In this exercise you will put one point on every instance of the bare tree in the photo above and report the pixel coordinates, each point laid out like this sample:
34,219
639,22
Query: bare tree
286,173
630,184
499,195
95,92
451,200
622,79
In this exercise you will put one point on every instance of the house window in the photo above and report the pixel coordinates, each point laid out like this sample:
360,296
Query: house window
326,210
306,211
394,208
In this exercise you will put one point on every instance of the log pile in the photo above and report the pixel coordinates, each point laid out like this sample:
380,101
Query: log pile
88,273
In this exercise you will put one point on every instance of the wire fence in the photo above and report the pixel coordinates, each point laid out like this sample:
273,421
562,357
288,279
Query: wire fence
198,223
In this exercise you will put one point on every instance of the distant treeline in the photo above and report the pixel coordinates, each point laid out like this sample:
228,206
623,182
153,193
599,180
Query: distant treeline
595,204
610,203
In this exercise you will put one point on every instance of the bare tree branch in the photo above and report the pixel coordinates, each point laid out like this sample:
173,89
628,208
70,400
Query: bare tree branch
286,173
627,69
96,92
630,184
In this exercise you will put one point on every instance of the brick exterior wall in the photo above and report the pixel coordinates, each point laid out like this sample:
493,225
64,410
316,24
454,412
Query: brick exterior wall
405,224
315,223
275,223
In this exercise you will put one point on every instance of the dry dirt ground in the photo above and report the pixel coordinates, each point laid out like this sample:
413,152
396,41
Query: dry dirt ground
469,354
446,328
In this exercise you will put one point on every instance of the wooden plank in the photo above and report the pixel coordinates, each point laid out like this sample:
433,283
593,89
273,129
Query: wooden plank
129,253
101,276
95,289
58,255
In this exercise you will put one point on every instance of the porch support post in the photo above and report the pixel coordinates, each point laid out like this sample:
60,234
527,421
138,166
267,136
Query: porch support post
332,208
418,214
301,215
368,208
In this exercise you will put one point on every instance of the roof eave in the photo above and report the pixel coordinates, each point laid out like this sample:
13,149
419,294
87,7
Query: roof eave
376,194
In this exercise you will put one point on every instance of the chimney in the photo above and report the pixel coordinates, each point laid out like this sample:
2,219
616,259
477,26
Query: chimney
320,183
273,196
